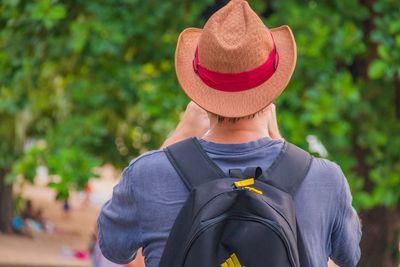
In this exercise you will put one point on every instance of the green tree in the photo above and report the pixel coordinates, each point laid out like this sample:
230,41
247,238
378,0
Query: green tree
83,83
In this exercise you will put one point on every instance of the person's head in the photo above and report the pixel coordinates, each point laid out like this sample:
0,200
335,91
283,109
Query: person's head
235,66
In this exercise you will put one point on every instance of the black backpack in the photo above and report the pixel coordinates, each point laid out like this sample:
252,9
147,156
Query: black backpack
244,219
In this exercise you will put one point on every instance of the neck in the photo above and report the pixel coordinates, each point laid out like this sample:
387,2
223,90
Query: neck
242,131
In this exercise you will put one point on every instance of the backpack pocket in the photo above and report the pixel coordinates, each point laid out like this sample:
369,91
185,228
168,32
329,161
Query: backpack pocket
238,240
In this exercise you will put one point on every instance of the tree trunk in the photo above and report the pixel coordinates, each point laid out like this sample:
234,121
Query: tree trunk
380,240
6,204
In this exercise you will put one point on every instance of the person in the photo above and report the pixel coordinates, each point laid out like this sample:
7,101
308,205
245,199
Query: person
66,208
88,193
30,212
232,70
32,219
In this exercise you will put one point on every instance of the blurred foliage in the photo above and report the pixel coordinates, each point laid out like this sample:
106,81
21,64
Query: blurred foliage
344,90
88,82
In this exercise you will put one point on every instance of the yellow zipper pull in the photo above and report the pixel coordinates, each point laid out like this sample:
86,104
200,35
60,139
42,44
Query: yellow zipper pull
245,182
253,190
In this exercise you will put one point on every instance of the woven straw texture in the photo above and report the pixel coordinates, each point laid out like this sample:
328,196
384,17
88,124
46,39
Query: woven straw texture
234,40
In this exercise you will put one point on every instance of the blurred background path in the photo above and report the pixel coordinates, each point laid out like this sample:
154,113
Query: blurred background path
68,242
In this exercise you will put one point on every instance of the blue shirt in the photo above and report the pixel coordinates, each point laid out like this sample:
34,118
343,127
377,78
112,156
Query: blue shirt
150,194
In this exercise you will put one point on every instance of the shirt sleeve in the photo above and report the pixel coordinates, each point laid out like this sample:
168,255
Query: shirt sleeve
118,223
346,232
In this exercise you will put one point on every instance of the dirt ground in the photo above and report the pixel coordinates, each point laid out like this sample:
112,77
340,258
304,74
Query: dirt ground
71,232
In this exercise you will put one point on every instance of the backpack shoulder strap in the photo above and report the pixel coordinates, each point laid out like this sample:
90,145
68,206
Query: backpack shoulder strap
289,169
287,173
192,163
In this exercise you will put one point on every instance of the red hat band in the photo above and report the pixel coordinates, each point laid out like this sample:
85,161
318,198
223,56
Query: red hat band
235,82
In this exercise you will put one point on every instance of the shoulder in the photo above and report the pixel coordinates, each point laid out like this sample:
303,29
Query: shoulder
144,167
324,182
148,169
326,172
148,159
153,181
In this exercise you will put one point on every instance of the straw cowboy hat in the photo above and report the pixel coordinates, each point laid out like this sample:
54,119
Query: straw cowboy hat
235,66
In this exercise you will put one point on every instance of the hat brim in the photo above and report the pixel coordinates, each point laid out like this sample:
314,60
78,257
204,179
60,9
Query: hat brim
234,104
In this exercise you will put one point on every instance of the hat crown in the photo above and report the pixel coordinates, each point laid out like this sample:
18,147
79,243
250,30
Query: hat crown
234,40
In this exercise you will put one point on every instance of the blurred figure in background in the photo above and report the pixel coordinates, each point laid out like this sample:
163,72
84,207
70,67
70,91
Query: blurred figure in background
30,221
